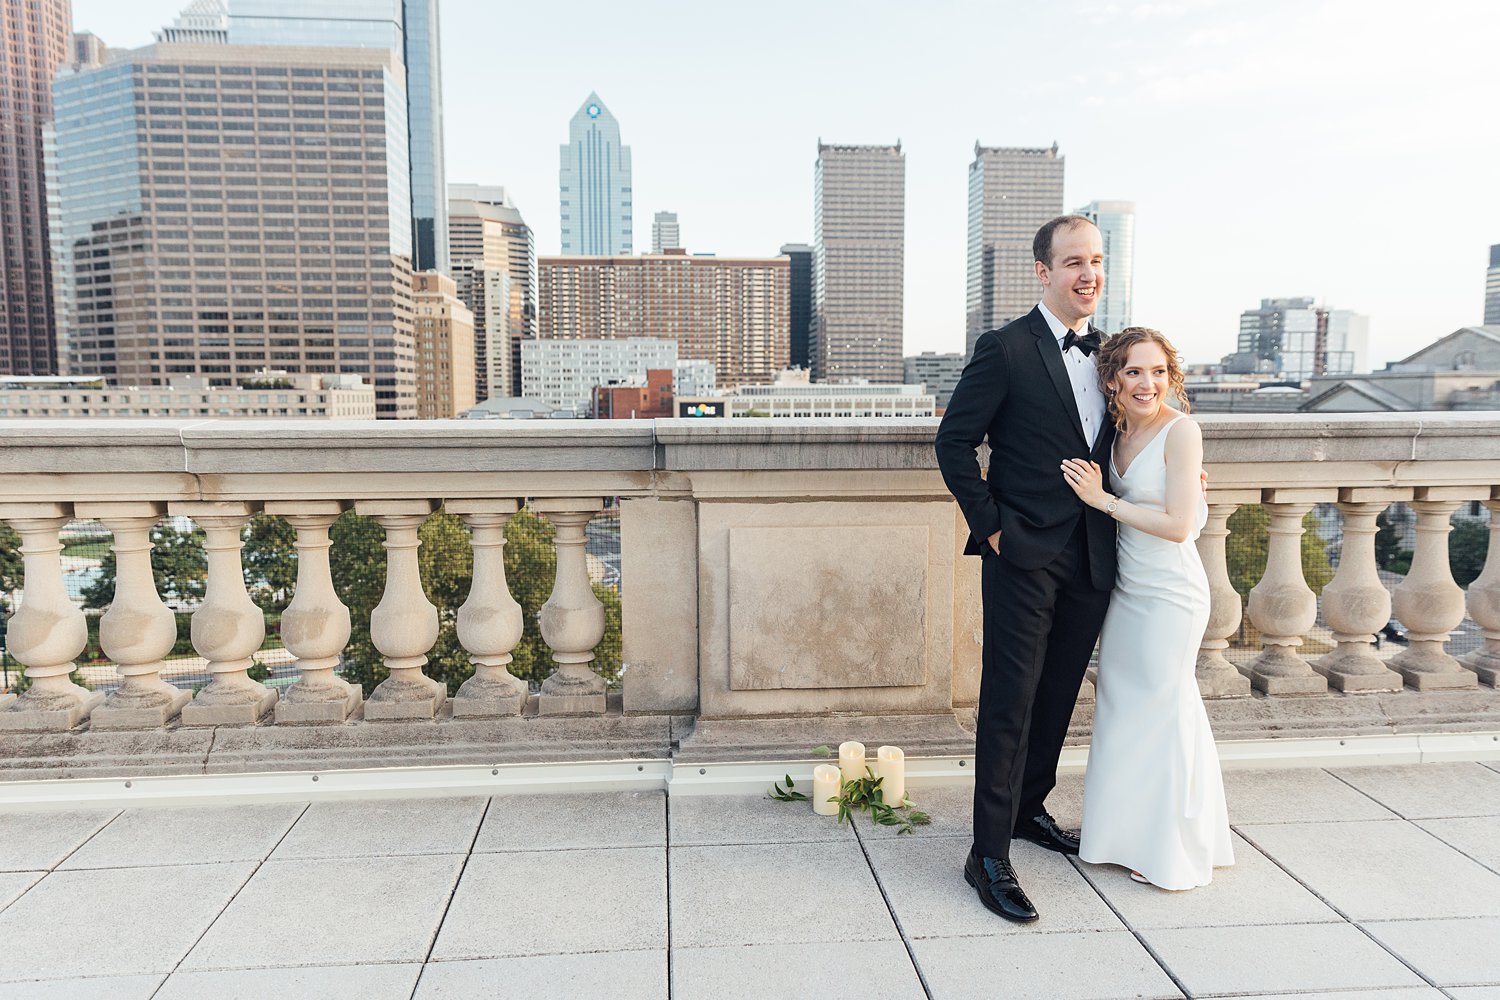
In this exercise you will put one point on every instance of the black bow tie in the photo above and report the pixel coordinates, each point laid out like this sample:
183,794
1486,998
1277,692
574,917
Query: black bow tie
1088,343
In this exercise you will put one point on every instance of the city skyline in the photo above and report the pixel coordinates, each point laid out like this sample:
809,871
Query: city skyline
1164,109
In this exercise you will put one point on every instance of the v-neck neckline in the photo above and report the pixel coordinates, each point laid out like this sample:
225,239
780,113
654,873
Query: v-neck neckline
1114,464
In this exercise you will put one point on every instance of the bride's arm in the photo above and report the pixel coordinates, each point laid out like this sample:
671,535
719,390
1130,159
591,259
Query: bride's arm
1184,453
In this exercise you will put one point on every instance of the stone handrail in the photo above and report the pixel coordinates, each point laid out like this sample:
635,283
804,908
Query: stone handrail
777,567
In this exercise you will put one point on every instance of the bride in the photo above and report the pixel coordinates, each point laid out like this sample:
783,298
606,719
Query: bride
1153,797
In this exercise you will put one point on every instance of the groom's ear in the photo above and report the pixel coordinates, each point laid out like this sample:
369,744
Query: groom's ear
1041,272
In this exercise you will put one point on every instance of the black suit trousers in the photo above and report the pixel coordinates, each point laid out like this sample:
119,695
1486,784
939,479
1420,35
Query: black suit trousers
1040,627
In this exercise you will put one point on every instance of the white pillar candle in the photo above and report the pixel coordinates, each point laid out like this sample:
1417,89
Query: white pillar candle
890,768
825,793
852,760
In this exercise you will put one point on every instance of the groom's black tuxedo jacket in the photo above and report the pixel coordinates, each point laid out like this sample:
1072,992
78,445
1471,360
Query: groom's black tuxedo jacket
1015,392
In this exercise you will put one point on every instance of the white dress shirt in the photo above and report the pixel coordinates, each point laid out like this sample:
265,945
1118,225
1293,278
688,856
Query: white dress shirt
1083,372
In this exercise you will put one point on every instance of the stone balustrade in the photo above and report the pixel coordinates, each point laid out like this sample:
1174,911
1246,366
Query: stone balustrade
774,568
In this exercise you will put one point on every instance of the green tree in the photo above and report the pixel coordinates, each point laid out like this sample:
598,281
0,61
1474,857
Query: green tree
1388,550
178,563
1468,546
1248,546
10,564
270,557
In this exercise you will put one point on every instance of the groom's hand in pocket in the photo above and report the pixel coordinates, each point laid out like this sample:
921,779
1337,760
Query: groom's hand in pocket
994,541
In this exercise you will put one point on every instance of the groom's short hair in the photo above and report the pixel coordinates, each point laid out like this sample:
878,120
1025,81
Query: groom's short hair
1041,246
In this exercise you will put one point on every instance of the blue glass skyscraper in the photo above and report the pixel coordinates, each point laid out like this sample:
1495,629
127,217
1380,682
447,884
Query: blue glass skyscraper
410,29
595,184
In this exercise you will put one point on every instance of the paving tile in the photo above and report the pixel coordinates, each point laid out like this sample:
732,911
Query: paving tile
1448,952
951,808
1296,795
553,902
1308,957
171,907
344,982
587,819
365,828
13,884
1253,891
1475,993
775,894
1080,966
187,836
699,820
924,881
1430,791
796,972
331,912
1382,869
39,840
1476,836
93,988
618,975
1401,993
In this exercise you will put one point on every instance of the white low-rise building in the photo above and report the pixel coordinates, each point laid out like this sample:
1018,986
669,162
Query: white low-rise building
793,395
564,373
266,394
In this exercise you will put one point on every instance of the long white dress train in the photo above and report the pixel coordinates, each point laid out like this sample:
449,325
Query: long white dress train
1153,795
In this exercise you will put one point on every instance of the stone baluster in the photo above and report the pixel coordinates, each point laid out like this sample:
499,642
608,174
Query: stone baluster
1428,602
48,631
315,626
1217,677
1484,604
572,620
227,628
404,625
490,623
138,629
1282,606
1356,604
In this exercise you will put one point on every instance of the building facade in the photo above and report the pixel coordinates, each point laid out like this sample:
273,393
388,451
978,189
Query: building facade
443,329
801,257
266,394
938,372
1492,289
410,30
35,39
202,22
1012,193
198,236
731,311
792,395
649,399
564,373
1296,339
666,233
858,263
494,264
1116,222
594,184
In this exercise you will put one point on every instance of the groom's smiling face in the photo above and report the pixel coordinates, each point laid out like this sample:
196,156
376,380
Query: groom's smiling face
1074,282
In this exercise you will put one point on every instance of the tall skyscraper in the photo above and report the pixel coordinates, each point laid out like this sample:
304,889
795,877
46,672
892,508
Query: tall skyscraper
801,256
666,234
728,310
409,28
1296,339
594,183
859,234
1012,192
35,39
443,328
1492,289
202,22
1116,222
494,266
197,240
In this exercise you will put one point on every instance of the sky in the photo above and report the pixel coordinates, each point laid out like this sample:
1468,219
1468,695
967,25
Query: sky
1273,148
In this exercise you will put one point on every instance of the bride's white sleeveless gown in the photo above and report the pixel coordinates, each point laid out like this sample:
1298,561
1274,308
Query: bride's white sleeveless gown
1153,796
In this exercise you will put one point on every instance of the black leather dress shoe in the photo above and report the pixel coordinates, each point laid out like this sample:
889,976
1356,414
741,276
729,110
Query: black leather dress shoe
999,890
1044,832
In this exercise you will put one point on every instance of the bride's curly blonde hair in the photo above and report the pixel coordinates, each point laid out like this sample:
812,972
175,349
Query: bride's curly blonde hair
1112,357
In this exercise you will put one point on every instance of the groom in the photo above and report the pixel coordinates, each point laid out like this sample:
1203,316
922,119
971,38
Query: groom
1047,561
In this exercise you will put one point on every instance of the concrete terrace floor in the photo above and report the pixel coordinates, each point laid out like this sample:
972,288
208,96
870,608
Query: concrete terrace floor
1360,882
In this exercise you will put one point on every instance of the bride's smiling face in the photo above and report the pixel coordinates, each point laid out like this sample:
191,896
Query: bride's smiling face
1141,386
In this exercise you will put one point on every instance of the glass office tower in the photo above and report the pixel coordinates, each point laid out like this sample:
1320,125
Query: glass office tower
410,29
1116,222
594,183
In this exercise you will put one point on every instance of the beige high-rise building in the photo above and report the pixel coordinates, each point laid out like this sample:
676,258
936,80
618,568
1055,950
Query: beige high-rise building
229,208
494,264
1012,193
732,311
859,234
35,39
444,331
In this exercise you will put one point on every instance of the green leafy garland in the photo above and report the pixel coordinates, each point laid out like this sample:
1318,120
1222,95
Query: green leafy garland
860,794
